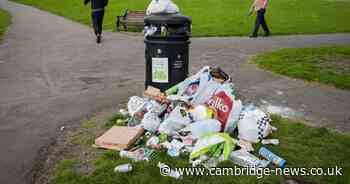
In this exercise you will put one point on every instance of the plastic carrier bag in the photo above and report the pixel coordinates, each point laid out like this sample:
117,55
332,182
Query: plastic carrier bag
198,88
204,127
226,107
162,6
150,122
253,124
177,119
205,144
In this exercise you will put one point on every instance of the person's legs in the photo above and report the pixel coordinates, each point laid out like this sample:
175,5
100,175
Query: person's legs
100,21
97,22
264,25
257,23
94,18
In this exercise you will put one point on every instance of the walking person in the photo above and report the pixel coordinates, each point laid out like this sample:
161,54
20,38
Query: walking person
97,14
259,6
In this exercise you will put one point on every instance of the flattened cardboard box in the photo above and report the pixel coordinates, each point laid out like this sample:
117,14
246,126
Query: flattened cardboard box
119,137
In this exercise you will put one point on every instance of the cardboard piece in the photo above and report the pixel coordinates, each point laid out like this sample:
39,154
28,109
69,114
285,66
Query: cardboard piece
119,137
154,93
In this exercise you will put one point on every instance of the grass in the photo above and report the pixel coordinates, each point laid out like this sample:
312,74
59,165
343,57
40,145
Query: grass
225,17
328,65
5,20
300,145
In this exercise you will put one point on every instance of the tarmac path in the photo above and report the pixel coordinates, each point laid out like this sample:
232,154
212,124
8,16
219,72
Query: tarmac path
52,74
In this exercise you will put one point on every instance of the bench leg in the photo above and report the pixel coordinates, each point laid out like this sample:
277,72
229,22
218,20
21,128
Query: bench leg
118,24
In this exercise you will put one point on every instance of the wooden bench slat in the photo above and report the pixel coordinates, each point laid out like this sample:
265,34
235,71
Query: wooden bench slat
134,18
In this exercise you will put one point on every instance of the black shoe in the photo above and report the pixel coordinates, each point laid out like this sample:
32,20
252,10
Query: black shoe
98,39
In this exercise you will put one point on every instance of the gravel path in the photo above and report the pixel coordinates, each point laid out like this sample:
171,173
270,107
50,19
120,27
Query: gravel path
53,74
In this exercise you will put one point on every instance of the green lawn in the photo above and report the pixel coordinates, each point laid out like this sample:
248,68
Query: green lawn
328,65
226,17
300,145
5,20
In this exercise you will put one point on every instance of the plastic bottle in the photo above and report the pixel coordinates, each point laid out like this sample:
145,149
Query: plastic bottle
267,154
130,155
123,168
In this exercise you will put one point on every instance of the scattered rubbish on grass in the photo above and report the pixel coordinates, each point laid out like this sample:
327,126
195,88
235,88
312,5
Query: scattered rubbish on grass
198,118
123,168
174,148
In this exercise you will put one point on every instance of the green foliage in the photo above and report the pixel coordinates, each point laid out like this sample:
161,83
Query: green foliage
5,20
112,121
224,17
300,145
329,65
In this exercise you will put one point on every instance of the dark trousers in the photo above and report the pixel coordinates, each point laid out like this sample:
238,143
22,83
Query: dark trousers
97,21
260,20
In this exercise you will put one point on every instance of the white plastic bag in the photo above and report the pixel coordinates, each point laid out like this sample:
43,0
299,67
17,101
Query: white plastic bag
253,124
198,88
149,30
135,104
150,122
177,120
202,128
162,6
200,113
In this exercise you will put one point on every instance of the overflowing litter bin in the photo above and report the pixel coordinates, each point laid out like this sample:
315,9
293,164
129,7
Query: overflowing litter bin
167,49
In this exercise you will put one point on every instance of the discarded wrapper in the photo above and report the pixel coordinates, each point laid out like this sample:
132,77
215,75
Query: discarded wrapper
270,141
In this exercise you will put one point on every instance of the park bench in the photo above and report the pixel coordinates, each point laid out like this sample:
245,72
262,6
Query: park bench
131,18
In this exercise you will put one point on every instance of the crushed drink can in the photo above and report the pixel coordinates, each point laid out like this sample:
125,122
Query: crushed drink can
123,168
267,154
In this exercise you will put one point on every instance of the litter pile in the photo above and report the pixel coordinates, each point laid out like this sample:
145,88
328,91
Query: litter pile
198,117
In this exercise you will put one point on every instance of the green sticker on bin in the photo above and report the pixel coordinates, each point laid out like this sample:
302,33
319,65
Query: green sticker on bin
160,72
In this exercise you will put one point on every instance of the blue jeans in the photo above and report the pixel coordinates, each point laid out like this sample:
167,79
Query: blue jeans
260,20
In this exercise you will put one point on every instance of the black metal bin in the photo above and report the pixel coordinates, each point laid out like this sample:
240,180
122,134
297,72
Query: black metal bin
167,50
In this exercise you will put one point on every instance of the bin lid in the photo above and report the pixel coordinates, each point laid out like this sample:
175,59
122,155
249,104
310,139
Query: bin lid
167,19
